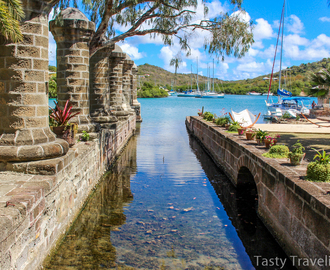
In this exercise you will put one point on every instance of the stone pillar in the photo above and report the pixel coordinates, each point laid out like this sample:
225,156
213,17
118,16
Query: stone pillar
134,102
72,33
127,74
116,83
24,129
100,86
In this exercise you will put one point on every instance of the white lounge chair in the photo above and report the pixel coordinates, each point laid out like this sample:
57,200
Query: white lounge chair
245,118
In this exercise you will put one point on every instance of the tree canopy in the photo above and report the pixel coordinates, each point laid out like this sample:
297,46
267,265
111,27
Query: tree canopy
11,13
321,83
170,19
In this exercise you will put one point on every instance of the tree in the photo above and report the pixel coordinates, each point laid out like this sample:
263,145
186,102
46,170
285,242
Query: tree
11,12
321,84
176,61
170,19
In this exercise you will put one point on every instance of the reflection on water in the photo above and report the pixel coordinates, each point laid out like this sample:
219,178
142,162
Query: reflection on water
241,207
165,205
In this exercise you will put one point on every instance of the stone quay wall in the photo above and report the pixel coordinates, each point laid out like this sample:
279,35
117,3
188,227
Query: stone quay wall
296,212
36,209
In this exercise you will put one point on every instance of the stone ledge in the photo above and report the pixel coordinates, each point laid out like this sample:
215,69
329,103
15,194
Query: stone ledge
309,192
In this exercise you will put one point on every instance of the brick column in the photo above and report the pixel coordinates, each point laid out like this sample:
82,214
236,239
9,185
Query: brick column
24,130
116,83
134,102
100,86
127,73
72,34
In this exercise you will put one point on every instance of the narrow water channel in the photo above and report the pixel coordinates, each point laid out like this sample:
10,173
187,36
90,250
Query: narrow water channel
165,205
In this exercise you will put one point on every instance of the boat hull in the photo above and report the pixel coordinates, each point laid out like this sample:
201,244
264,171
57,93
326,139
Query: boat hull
215,96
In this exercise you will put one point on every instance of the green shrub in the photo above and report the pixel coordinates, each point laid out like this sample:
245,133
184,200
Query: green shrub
222,121
277,151
318,172
208,116
234,128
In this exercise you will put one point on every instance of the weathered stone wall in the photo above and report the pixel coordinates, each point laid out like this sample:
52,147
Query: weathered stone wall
72,36
24,129
297,212
37,209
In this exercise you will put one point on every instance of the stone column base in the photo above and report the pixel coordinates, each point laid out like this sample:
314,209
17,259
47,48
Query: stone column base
48,150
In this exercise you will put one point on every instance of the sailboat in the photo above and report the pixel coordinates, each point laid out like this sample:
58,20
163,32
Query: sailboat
212,94
191,92
286,103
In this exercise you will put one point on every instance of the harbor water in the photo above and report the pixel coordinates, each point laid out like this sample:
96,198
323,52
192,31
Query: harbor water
165,205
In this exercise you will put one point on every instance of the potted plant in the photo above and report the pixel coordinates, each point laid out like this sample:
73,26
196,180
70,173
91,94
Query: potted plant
319,170
297,154
250,133
260,136
59,122
270,140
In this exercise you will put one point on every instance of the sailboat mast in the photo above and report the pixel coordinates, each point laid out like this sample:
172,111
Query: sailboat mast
213,77
280,75
191,78
197,75
278,35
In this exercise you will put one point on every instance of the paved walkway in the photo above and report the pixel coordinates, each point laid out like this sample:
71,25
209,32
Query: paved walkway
296,128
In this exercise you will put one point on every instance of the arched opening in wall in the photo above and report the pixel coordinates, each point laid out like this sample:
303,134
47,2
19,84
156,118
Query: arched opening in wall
247,199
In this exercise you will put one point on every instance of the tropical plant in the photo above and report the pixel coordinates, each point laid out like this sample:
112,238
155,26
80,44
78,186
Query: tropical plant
233,127
11,12
61,117
168,20
323,158
260,135
277,151
321,83
176,61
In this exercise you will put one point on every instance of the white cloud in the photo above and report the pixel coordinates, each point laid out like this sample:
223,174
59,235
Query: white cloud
132,51
324,19
320,41
251,67
295,40
294,25
262,30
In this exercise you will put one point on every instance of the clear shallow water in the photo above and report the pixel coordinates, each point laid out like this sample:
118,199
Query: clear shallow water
165,205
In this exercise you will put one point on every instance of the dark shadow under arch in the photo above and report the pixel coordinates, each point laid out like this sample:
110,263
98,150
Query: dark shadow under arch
247,198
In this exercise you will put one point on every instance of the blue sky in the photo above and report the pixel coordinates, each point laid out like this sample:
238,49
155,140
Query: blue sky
307,39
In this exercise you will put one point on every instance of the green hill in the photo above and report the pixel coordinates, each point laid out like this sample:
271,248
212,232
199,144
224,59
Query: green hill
297,82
